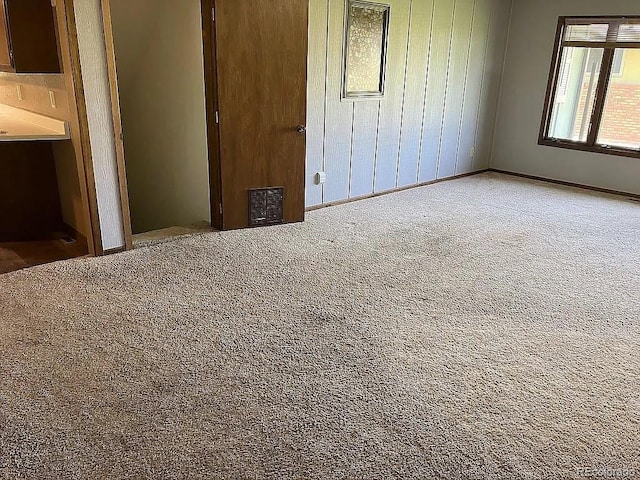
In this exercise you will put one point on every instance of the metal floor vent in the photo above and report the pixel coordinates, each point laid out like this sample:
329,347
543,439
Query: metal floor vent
64,238
266,206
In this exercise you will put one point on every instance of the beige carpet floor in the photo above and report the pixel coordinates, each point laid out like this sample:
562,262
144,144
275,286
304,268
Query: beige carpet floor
484,328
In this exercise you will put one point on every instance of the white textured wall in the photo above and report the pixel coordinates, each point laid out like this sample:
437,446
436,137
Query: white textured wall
444,67
96,89
159,59
530,49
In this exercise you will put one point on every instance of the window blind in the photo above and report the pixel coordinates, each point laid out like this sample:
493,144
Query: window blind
628,32
594,32
601,31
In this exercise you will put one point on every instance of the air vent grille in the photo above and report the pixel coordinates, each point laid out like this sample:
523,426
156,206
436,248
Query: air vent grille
266,206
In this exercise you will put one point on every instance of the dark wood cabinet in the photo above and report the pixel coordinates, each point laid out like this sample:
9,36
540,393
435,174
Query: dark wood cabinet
29,199
28,40
5,47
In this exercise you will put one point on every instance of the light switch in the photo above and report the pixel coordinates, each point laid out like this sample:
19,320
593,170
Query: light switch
321,178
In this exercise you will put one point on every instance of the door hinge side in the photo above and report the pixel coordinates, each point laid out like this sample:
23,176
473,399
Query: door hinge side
213,14
220,208
217,117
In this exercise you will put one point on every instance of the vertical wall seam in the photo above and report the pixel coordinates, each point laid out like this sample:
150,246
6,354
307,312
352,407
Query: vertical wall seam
404,92
326,99
426,91
482,85
499,101
446,88
353,127
466,82
375,157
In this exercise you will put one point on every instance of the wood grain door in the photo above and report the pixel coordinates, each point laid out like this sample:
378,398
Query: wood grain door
261,50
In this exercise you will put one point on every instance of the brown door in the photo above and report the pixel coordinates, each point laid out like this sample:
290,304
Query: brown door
261,49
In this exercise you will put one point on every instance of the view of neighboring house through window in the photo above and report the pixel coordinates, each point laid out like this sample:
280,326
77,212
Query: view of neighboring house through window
595,86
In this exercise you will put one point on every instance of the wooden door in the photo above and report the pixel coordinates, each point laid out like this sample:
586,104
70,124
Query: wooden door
261,50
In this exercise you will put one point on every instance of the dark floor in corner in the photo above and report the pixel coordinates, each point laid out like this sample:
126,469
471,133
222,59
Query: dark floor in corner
18,255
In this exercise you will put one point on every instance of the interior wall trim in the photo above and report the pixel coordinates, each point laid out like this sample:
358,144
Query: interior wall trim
113,251
395,190
95,242
619,193
117,123
634,196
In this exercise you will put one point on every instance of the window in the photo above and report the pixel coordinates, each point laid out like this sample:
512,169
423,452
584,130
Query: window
593,100
367,27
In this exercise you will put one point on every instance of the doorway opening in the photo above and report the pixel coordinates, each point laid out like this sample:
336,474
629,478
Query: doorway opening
212,100
160,79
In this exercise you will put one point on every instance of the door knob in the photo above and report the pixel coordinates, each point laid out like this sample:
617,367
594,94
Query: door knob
301,129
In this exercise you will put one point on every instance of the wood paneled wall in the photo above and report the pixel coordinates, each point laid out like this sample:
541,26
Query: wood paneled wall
437,118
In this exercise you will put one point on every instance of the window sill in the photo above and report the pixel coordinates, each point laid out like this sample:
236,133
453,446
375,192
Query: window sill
620,152
362,98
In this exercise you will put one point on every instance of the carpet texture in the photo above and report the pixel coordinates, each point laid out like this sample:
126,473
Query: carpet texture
484,328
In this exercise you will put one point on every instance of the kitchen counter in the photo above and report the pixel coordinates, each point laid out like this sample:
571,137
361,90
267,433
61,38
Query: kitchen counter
18,125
